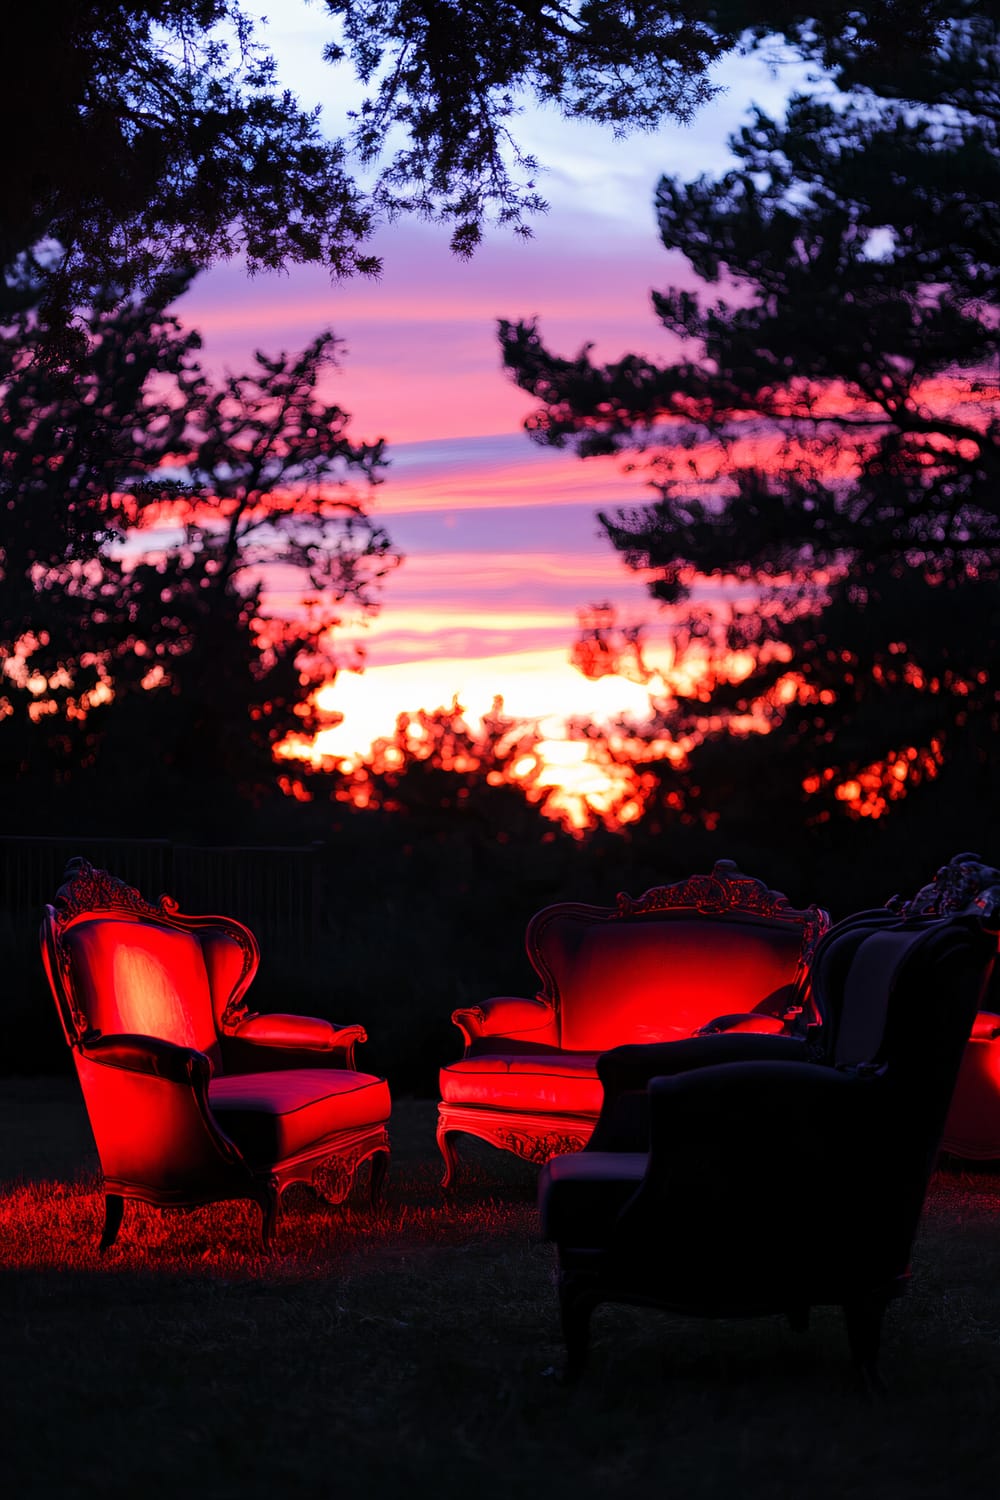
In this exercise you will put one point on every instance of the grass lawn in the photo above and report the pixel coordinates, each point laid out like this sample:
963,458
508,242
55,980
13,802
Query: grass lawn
419,1353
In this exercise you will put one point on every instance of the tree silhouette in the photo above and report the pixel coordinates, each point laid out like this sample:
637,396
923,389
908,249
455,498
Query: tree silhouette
176,555
827,454
435,765
143,135
153,132
452,79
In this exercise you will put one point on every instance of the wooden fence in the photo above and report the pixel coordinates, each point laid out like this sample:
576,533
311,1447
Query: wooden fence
277,892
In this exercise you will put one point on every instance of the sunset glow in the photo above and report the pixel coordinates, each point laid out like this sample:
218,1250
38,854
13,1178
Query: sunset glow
534,686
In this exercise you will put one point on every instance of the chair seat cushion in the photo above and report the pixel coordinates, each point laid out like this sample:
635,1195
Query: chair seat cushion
580,1196
272,1116
559,1082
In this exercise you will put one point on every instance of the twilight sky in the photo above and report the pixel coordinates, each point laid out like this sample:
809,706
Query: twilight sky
499,536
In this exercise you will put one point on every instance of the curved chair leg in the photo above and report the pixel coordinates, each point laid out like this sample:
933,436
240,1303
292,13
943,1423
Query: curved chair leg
268,1203
863,1318
376,1182
450,1156
114,1208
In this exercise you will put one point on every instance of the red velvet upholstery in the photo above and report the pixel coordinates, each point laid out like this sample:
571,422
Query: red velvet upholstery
152,1005
656,969
511,1017
224,967
279,1030
972,1129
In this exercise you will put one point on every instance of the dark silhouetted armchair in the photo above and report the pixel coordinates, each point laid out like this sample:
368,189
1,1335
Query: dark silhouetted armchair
774,1185
192,1097
972,1130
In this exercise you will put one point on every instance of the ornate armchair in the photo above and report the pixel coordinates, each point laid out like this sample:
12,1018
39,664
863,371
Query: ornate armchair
773,1186
192,1097
713,953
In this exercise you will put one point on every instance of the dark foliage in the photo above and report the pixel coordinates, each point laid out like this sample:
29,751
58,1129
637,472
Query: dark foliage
143,506
138,135
828,454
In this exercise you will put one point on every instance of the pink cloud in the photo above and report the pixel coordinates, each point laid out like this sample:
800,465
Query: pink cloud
422,359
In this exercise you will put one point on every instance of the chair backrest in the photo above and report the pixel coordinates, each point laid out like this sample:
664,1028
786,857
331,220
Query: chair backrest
965,884
907,1008
900,996
658,967
853,1014
117,964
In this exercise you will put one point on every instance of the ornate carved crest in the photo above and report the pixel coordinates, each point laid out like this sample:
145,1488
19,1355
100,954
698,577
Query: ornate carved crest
86,888
727,889
964,884
332,1178
540,1148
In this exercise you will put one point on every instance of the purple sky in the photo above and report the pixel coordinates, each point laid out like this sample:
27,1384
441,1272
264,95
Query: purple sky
500,536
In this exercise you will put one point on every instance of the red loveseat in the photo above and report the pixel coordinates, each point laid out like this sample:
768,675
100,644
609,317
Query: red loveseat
712,952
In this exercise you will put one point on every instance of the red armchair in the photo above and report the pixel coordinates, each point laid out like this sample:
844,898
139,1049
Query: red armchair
192,1097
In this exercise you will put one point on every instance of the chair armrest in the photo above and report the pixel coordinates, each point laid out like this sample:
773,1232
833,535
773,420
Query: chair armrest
758,1023
512,1016
147,1102
633,1066
309,1034
149,1054
625,1073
